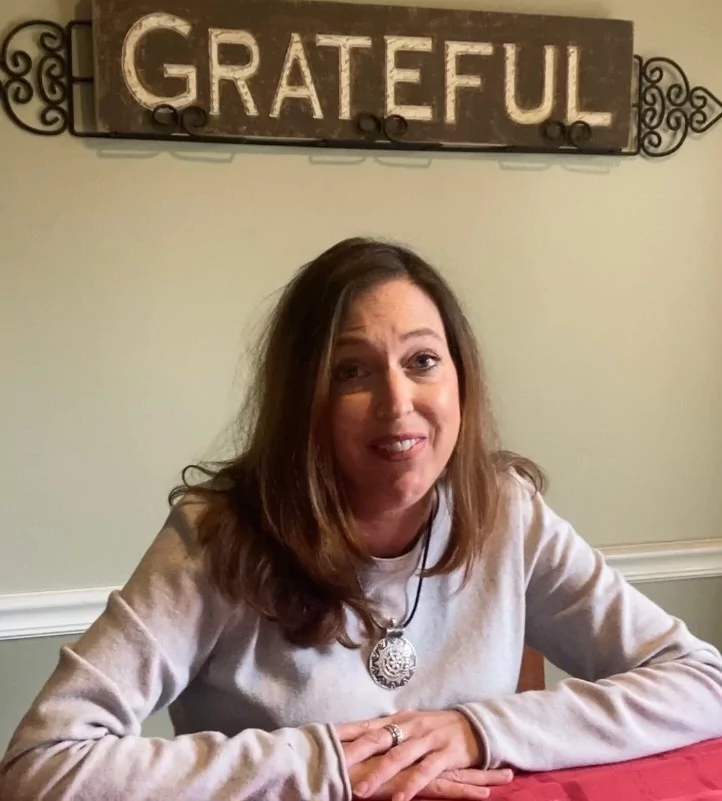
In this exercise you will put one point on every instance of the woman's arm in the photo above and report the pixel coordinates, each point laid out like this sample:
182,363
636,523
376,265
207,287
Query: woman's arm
81,738
642,683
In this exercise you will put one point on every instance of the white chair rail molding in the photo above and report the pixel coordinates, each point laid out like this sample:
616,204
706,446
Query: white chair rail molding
70,612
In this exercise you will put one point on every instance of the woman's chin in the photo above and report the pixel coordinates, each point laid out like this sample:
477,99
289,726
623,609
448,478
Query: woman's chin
408,490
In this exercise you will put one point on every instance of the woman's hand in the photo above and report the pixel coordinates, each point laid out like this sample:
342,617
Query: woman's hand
434,756
451,785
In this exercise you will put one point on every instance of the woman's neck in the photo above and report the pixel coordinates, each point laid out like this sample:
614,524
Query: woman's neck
393,532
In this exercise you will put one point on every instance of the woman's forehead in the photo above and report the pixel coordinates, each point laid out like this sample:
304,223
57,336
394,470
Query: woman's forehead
397,307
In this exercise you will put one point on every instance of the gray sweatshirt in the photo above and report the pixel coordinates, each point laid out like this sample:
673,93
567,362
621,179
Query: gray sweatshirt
253,716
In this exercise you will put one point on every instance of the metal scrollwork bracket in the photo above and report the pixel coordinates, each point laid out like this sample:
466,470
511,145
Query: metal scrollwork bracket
43,76
37,75
669,109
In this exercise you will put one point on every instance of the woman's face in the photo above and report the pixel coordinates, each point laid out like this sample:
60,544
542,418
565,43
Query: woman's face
395,397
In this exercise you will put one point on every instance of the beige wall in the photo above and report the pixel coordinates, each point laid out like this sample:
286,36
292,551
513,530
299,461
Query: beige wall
132,276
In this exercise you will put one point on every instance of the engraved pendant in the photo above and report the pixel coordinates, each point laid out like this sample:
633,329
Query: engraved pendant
392,662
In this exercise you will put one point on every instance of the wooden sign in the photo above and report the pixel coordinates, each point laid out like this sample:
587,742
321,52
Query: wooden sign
304,69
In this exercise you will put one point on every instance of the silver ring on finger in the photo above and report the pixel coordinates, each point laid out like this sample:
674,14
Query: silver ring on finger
397,736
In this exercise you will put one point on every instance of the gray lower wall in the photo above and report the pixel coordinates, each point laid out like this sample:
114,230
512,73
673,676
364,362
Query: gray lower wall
25,664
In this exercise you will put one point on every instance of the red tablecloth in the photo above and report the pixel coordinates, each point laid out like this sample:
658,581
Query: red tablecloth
687,774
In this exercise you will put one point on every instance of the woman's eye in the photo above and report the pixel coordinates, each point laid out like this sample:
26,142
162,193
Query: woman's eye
424,361
346,372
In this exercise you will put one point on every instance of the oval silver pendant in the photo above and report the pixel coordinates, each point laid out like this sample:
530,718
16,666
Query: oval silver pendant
392,662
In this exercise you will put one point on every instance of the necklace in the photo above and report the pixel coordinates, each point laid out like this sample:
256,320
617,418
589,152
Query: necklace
392,662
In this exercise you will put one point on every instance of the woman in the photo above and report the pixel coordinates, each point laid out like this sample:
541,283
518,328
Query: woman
341,610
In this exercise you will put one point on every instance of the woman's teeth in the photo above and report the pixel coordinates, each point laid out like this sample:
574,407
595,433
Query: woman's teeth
399,446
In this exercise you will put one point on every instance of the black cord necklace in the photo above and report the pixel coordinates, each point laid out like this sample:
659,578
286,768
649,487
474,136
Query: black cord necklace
392,662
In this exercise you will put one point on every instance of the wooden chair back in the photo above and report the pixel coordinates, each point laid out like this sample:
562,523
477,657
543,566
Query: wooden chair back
531,675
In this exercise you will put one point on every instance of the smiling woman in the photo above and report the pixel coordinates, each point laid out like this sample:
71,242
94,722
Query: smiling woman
345,608
395,411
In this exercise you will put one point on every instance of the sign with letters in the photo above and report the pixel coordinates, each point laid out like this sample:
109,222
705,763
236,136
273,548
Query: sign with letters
306,69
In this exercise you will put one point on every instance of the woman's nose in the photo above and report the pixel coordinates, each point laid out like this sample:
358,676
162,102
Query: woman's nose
394,396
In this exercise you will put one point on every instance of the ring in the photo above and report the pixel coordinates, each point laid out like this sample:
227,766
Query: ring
397,736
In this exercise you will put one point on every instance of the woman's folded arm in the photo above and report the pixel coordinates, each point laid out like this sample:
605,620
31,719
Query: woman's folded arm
81,739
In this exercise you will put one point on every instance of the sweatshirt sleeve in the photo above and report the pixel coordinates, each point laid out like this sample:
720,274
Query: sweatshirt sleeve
640,683
81,738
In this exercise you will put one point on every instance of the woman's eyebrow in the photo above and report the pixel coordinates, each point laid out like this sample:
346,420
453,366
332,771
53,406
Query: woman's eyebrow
351,338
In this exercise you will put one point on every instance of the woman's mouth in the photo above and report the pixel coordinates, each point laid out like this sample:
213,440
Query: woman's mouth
398,448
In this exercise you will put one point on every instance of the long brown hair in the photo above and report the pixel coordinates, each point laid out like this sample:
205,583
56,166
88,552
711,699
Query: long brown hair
275,526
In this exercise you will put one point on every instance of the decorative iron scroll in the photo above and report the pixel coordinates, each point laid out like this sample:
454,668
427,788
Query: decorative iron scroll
669,109
43,76
666,109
